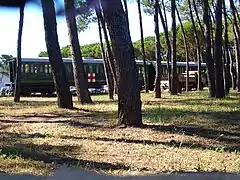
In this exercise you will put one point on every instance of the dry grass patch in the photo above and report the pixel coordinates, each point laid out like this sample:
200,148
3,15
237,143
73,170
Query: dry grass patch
188,132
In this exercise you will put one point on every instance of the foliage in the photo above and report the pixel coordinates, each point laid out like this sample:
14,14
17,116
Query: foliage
84,19
4,59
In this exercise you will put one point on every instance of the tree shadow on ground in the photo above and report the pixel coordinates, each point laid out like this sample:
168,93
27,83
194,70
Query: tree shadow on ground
192,145
56,154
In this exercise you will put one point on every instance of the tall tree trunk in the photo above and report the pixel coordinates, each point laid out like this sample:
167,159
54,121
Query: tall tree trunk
226,49
78,69
167,40
198,47
126,10
142,47
157,52
129,102
208,54
198,19
58,71
110,57
219,84
186,49
17,88
232,70
107,69
174,79
237,43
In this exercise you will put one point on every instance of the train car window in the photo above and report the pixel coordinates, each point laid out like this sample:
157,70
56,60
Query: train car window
35,68
32,68
27,68
97,68
101,69
85,68
41,68
46,68
49,68
22,68
90,67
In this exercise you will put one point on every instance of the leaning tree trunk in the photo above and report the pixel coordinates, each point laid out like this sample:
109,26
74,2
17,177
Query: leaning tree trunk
110,57
129,102
107,69
186,49
78,69
174,79
219,83
17,88
126,10
158,53
59,75
198,47
208,54
198,18
167,40
237,43
226,49
142,47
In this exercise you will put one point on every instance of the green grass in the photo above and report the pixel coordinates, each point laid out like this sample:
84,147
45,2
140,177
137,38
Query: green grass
188,132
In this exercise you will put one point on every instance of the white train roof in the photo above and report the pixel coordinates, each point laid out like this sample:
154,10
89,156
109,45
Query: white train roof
92,60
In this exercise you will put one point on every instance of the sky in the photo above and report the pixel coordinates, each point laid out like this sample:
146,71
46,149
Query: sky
33,39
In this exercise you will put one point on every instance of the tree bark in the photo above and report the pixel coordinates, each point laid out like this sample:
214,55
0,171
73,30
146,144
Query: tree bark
126,10
174,79
110,57
167,40
157,52
198,19
78,69
129,102
58,72
198,47
208,54
142,47
219,83
226,49
236,31
186,49
107,69
17,88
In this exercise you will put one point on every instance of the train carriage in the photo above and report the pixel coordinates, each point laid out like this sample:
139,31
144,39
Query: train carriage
36,75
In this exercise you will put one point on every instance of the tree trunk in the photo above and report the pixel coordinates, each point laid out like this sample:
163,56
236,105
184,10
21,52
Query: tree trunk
169,48
208,54
157,52
198,19
17,88
219,84
226,49
110,57
129,102
174,79
237,43
186,49
78,69
107,69
232,73
126,10
142,47
198,47
58,72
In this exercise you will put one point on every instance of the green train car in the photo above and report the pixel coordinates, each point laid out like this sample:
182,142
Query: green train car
36,75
